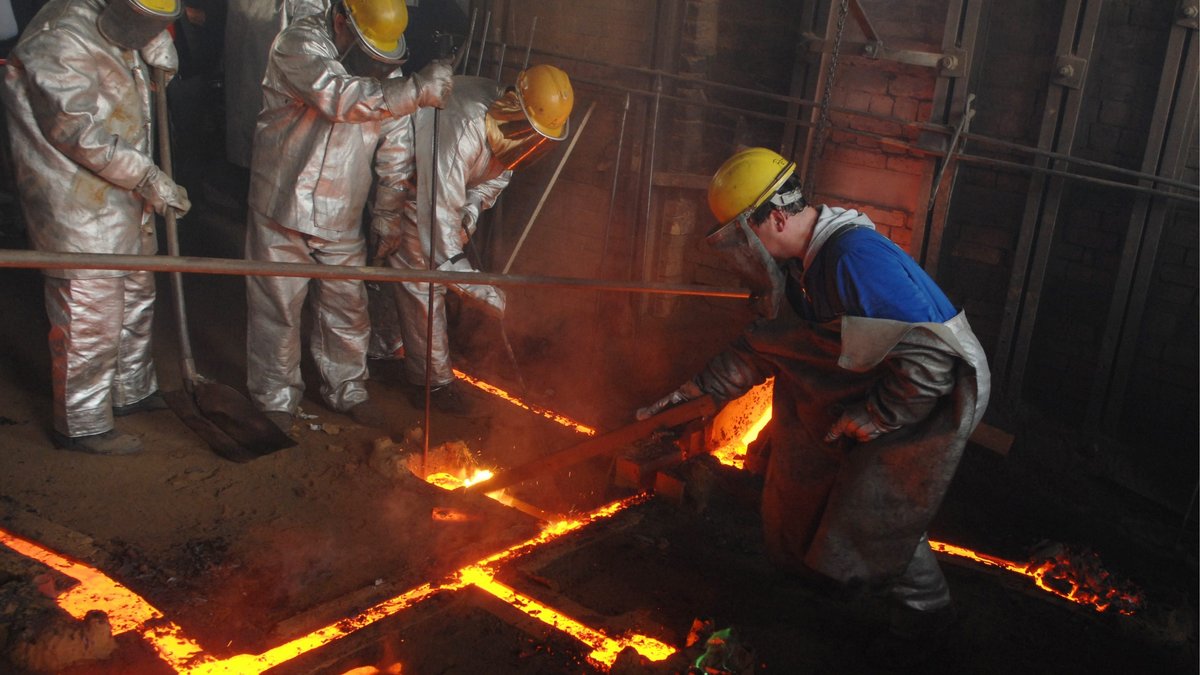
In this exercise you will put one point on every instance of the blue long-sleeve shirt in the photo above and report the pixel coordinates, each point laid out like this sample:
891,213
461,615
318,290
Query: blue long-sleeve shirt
860,272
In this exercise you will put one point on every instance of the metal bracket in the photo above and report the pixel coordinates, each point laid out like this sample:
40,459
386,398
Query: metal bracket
952,63
874,50
1188,14
1070,71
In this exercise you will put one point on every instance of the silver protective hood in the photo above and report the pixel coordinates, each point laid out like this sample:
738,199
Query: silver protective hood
132,24
750,259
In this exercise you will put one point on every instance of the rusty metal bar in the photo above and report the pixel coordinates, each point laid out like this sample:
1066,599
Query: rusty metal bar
607,443
1031,257
951,99
159,263
549,186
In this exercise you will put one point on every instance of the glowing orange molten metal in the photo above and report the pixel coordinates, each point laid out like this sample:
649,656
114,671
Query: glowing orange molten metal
129,612
544,412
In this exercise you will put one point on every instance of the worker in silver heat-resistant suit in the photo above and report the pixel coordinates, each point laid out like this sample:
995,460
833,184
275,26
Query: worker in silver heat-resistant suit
485,132
332,84
77,95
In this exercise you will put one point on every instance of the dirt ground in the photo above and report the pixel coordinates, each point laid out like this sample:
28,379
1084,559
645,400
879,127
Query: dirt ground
245,556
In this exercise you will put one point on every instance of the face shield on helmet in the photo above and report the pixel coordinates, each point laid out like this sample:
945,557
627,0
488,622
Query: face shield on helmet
133,23
378,27
522,123
746,188
513,140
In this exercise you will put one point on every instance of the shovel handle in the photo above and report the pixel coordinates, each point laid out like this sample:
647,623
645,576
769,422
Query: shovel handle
187,363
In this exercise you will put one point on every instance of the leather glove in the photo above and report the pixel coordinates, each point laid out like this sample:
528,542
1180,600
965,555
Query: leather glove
491,298
860,423
161,192
160,53
434,83
428,88
386,235
686,392
470,218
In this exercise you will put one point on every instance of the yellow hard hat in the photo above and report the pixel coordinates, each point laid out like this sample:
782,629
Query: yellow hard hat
379,26
133,23
168,8
745,181
546,99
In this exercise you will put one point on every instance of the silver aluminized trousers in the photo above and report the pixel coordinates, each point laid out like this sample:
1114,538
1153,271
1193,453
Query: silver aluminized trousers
99,348
421,339
340,325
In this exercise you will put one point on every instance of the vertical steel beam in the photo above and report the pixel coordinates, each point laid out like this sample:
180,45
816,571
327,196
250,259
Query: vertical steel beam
1172,133
1076,36
950,103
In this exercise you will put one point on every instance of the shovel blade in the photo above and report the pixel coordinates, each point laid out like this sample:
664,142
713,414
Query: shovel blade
227,422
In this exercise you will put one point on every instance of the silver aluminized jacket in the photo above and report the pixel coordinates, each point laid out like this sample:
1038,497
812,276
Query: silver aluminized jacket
317,131
80,127
319,136
468,183
250,28
858,512
79,120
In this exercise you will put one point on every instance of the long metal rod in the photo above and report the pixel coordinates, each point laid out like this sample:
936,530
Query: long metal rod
549,186
487,22
466,48
430,294
941,172
529,45
649,232
612,197
188,264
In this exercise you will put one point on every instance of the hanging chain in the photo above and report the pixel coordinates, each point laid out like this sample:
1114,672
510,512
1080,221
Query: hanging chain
822,131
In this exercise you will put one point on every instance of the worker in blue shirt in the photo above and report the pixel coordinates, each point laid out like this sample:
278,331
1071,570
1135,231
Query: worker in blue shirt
879,381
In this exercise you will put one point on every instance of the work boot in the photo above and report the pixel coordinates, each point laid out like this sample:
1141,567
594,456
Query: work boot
111,442
912,637
449,399
368,414
151,403
452,400
281,419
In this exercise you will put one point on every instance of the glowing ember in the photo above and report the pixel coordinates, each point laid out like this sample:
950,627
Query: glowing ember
1081,581
544,412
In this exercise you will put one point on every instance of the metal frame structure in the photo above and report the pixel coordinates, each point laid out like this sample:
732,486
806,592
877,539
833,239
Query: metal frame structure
1174,125
1077,34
